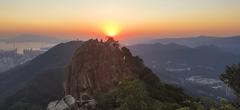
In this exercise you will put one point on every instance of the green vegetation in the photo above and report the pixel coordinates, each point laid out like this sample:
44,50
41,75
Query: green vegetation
231,77
134,95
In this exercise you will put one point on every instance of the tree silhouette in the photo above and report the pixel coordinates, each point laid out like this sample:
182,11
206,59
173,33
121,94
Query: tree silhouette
231,77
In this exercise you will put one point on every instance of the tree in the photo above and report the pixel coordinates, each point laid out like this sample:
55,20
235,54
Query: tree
226,106
231,77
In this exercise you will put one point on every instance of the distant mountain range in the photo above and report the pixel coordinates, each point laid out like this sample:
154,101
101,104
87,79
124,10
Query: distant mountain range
188,67
231,44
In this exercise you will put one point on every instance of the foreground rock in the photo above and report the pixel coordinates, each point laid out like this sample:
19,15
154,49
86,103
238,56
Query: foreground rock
65,103
69,103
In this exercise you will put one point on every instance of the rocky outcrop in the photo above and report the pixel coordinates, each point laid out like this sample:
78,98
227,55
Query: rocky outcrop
96,66
69,103
64,104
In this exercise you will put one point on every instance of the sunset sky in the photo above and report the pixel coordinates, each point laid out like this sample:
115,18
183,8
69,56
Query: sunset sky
122,17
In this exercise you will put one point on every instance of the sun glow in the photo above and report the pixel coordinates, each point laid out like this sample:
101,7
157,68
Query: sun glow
111,29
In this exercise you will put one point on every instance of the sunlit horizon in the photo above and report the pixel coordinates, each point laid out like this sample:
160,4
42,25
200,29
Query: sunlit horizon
127,18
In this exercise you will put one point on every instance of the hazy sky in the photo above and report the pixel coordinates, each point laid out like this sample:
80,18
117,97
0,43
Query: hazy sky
126,17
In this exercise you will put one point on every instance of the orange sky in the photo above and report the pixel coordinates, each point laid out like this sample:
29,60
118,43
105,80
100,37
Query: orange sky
123,17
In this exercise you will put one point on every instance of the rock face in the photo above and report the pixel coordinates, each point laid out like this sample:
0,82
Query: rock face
96,66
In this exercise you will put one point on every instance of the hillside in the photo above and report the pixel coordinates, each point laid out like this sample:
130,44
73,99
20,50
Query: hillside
45,87
195,69
19,77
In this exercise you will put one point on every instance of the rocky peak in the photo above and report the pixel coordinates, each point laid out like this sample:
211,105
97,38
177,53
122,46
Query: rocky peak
96,66
99,67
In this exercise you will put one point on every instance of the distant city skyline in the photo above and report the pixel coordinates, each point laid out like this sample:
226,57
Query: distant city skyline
155,18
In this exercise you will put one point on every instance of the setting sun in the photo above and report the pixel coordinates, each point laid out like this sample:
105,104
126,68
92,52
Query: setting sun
111,29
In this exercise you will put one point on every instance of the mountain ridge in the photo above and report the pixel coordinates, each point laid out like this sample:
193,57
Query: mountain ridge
229,44
101,70
18,77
